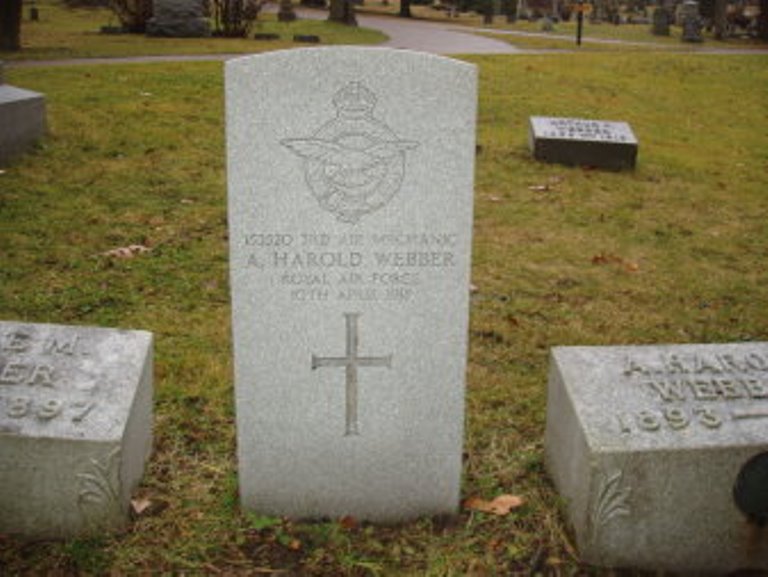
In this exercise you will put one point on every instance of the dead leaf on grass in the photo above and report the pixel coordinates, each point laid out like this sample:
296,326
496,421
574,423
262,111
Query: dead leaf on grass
609,258
348,522
129,251
501,505
539,187
146,507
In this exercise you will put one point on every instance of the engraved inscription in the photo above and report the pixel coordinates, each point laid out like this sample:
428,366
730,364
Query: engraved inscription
580,129
355,163
699,389
351,362
351,267
39,378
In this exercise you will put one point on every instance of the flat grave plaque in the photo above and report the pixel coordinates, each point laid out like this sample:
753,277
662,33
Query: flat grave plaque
580,142
75,427
661,453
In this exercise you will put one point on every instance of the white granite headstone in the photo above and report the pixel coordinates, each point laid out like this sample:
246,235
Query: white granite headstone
350,211
661,453
75,427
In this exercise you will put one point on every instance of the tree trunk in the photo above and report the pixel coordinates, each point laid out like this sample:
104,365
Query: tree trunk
719,19
405,8
10,24
762,21
488,12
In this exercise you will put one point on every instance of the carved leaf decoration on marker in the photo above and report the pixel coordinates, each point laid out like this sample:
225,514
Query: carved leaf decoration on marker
501,505
612,501
98,489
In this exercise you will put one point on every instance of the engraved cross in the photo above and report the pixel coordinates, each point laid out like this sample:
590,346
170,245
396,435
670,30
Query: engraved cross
351,362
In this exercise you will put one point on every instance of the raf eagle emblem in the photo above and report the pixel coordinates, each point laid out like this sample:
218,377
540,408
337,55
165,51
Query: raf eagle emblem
354,164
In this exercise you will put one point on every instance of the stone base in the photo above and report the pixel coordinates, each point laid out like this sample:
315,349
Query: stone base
179,27
75,427
22,117
661,455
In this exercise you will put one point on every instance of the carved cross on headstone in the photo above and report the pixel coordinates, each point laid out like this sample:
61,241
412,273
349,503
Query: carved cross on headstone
351,361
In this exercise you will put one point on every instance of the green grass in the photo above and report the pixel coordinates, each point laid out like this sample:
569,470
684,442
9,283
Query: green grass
74,33
675,251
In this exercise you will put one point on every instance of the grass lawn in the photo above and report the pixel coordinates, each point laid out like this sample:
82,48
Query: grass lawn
74,33
675,251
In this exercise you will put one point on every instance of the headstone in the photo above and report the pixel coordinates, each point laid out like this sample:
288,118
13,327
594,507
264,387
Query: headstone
75,427
350,214
178,18
22,117
580,142
691,21
661,21
661,454
306,38
286,13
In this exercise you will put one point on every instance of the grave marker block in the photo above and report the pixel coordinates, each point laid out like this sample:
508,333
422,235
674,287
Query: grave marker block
579,142
75,427
350,207
22,118
661,453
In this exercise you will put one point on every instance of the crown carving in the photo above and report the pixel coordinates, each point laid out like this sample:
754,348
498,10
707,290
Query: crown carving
354,97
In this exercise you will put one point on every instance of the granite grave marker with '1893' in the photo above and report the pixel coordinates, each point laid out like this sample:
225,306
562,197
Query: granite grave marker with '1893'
75,427
350,203
581,142
661,453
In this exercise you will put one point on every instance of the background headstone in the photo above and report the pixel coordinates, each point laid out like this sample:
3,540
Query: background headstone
581,142
661,453
178,18
22,118
350,210
661,21
75,427
691,22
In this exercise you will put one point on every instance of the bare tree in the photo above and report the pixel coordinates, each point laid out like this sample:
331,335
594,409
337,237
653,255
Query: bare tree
762,21
405,8
10,25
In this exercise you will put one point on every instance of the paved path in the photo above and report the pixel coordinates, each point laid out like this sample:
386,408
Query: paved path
435,37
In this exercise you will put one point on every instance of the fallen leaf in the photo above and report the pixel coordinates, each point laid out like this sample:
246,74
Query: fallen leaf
631,266
140,505
348,522
473,289
145,507
127,251
539,187
501,505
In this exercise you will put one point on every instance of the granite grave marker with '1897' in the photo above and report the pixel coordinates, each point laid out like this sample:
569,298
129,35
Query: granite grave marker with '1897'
350,203
22,119
661,453
75,427
581,142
